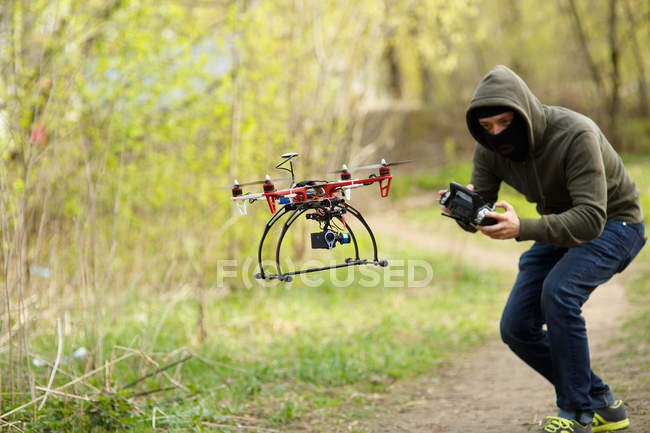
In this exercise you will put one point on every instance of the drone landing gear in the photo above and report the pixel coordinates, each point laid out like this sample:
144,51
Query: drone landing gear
329,209
288,276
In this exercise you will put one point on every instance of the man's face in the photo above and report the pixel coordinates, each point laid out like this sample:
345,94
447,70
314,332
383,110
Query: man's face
496,124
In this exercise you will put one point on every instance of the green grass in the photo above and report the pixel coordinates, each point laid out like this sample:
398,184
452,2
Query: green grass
276,354
637,325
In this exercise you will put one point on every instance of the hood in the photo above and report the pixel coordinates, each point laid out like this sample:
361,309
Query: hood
501,86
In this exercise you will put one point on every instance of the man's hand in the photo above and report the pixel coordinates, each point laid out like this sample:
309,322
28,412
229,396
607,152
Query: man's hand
507,226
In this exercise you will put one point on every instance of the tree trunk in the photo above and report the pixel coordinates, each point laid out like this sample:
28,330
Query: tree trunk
394,72
614,101
642,86
582,38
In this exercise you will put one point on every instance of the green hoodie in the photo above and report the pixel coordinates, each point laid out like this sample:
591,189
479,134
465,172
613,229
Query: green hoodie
572,173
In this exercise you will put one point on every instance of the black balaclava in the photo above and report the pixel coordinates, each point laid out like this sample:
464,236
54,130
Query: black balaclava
510,143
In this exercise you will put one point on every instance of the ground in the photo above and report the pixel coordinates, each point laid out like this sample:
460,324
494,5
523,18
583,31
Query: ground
489,389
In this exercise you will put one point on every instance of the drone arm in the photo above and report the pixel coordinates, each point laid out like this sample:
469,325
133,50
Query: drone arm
240,201
347,193
249,197
332,187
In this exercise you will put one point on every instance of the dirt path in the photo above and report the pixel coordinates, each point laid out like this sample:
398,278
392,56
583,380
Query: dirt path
489,389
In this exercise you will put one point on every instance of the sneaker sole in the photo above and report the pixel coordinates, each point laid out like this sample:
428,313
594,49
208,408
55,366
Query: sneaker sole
609,426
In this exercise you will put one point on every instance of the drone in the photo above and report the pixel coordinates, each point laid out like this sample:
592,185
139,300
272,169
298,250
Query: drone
325,202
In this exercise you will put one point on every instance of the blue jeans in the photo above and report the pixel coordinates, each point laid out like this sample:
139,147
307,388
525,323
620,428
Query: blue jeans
552,285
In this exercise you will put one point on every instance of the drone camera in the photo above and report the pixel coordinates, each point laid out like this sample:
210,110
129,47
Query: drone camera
327,239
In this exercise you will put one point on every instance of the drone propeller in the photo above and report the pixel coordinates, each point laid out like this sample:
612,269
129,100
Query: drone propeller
370,167
255,182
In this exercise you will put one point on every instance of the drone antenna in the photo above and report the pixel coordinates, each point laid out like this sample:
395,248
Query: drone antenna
287,158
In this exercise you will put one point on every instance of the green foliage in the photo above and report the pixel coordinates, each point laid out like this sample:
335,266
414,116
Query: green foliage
637,167
285,413
635,133
432,180
106,412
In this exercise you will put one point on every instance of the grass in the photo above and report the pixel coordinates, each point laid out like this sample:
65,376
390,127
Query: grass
637,324
270,355
627,366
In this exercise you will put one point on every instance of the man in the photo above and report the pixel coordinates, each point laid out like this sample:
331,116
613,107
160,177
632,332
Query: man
591,227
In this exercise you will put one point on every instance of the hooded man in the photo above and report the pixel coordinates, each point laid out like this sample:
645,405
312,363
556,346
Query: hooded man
591,227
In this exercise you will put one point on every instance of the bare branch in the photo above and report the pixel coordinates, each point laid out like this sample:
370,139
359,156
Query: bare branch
159,370
582,38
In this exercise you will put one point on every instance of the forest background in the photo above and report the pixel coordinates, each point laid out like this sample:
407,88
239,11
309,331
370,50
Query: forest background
119,118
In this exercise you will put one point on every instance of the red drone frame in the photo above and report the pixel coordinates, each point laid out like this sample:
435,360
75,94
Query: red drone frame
328,201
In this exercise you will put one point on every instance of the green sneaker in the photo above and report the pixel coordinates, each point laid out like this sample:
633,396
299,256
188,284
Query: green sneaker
612,417
555,424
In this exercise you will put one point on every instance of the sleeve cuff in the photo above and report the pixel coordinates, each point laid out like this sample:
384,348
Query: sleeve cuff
529,229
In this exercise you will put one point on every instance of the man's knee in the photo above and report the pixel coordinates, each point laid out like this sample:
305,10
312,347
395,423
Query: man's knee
507,329
514,329
553,302
560,299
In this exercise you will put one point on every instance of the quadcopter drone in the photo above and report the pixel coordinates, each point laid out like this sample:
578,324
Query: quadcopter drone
322,201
